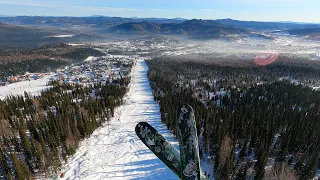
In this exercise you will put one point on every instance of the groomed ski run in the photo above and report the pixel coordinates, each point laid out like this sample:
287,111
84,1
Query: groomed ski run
114,151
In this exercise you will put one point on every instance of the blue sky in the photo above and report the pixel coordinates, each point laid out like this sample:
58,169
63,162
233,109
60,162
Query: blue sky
261,10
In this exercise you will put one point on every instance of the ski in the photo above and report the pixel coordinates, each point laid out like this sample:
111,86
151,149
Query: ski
163,149
188,141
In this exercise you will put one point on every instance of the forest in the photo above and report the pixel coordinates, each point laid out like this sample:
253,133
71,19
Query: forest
42,59
253,122
39,133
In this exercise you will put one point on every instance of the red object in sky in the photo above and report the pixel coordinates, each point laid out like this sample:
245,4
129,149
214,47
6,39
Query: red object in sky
264,59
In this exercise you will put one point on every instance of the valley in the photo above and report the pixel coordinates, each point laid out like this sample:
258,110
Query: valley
73,88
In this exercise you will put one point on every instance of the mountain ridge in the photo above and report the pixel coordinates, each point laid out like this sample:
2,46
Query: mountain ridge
107,21
194,29
260,25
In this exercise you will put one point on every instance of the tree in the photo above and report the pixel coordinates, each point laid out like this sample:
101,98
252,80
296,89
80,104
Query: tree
242,174
282,171
4,162
25,143
18,169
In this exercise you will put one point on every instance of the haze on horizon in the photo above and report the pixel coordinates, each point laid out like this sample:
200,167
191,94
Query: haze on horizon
257,10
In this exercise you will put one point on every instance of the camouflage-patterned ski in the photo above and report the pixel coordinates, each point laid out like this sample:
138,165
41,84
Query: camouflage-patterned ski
188,140
163,149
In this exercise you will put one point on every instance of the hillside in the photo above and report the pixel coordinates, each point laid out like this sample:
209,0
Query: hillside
310,32
88,22
144,27
253,124
108,22
42,59
256,25
39,29
195,29
17,37
20,36
95,26
2,25
114,151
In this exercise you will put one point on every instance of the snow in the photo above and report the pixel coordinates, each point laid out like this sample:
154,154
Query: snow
206,161
91,58
63,36
32,87
75,44
114,151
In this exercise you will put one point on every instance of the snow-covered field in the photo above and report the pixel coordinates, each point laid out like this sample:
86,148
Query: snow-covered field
116,152
33,87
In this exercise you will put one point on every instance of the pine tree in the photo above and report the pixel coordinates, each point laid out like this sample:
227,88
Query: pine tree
4,162
260,165
242,174
26,144
25,169
18,169
37,152
9,176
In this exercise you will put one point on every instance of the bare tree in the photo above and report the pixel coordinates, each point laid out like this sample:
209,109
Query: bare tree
5,128
225,149
109,116
280,171
70,141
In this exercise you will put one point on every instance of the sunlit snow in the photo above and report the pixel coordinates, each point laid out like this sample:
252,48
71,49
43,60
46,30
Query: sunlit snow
63,36
32,87
116,152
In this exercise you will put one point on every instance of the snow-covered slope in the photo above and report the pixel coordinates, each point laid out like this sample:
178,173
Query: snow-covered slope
33,87
115,152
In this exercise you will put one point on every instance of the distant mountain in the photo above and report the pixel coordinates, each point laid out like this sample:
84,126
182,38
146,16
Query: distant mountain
43,58
144,27
66,22
309,33
99,21
195,29
93,22
305,32
179,19
2,25
13,36
26,37
255,25
94,16
13,31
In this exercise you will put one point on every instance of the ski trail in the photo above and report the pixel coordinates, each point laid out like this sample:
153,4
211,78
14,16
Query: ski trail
115,152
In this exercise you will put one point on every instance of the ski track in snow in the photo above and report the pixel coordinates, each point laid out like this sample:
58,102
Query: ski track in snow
119,153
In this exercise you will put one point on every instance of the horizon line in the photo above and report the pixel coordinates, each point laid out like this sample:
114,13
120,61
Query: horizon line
281,21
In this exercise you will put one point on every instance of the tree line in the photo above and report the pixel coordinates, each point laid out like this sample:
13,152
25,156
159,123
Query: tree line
253,130
42,59
38,133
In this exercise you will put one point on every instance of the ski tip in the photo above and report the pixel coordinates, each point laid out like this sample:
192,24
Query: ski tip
186,108
141,124
185,112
